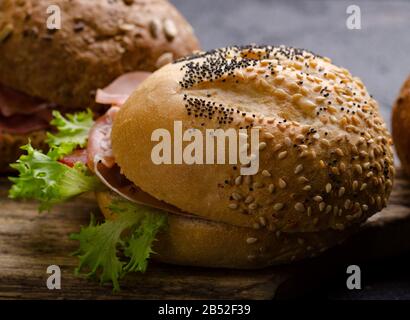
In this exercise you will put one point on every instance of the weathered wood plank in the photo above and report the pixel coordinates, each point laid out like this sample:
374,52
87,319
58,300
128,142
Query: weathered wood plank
29,242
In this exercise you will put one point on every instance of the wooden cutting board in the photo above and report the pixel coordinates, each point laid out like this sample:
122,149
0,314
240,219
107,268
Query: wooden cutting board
30,242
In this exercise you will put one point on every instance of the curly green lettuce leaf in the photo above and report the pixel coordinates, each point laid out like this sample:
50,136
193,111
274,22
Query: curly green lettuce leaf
42,177
72,131
139,246
131,232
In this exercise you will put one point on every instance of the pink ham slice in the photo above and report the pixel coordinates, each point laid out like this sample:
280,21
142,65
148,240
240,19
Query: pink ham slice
24,124
13,102
21,114
116,93
121,88
99,141
101,161
116,182
100,158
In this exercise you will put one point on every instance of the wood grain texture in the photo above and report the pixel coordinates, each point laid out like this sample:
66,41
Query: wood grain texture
29,242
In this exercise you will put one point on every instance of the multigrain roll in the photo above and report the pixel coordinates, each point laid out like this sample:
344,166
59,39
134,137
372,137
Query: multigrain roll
43,69
325,161
401,126
99,40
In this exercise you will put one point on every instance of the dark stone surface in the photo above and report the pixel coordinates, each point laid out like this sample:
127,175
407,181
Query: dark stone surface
379,54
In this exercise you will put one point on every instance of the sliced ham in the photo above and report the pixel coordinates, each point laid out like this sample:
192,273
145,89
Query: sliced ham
118,183
116,93
111,176
101,161
23,124
99,141
121,88
13,102
21,114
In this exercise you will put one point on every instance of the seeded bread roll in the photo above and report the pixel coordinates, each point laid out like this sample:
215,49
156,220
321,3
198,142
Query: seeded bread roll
99,40
325,157
401,126
199,242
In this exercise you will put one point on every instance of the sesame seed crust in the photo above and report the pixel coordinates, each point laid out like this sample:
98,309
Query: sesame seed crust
323,145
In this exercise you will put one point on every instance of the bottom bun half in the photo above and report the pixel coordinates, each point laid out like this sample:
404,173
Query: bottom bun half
197,242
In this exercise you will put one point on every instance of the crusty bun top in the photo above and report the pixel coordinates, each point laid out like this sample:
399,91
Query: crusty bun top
325,155
98,41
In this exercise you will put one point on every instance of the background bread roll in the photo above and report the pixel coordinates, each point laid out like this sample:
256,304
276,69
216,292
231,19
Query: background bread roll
325,155
401,126
98,41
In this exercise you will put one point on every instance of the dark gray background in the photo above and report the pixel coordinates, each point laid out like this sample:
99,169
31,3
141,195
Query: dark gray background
379,54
